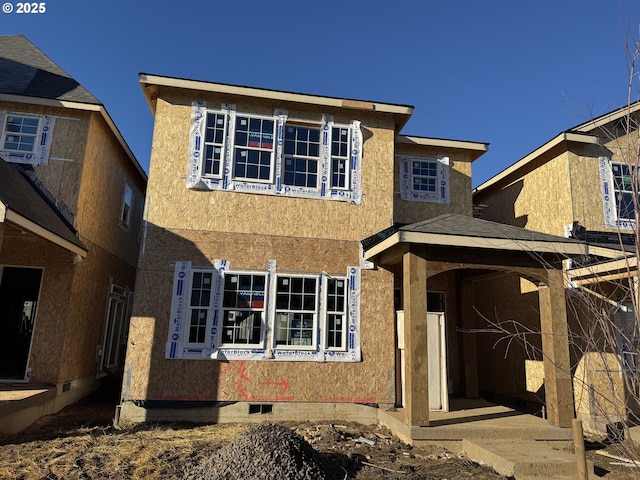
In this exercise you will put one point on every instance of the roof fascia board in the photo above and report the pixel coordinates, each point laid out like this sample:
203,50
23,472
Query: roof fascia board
522,163
274,94
607,118
445,143
90,107
29,226
621,264
569,248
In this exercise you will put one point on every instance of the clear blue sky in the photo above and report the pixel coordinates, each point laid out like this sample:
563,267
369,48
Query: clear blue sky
510,73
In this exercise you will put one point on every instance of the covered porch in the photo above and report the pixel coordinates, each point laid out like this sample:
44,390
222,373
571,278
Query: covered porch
472,248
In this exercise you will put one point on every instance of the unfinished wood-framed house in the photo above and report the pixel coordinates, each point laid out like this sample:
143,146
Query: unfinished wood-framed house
71,197
579,184
294,244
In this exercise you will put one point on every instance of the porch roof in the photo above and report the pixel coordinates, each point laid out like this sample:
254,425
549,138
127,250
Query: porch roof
451,230
22,206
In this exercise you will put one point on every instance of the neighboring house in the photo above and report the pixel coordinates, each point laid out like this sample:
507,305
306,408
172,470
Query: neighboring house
579,184
289,242
71,201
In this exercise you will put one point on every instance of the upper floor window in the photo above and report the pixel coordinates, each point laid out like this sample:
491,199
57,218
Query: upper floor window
127,205
424,179
20,133
619,193
271,155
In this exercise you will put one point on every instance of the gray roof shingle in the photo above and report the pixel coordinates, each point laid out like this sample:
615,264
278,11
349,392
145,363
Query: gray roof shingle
19,195
26,70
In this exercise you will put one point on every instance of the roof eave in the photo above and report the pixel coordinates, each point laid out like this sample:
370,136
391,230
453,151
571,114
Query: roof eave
477,149
520,165
8,215
402,112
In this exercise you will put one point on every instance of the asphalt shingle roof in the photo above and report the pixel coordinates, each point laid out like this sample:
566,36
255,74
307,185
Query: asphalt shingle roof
26,70
19,195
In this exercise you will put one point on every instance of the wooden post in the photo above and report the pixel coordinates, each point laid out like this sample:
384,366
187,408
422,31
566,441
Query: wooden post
414,266
469,341
578,442
555,350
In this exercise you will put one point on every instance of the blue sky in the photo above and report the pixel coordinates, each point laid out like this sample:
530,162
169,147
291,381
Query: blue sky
510,73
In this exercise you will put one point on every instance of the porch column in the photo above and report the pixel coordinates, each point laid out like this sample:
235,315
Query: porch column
555,350
469,343
414,268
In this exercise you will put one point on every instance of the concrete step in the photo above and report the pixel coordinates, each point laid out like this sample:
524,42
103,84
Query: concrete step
525,459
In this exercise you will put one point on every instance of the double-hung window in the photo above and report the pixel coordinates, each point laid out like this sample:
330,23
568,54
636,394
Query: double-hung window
199,303
625,186
243,309
301,156
296,311
20,133
253,148
214,139
127,205
340,151
424,175
336,311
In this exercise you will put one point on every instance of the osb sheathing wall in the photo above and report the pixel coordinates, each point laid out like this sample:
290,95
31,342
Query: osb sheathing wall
539,200
172,205
460,201
248,230
112,252
154,377
106,169
53,305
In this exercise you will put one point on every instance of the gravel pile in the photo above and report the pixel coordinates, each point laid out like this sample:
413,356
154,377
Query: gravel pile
268,451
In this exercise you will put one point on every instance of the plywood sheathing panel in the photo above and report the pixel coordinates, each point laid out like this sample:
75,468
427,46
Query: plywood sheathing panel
459,185
154,377
539,201
106,169
174,206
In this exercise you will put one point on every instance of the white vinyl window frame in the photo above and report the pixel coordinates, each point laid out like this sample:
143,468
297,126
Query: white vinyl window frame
254,148
424,179
334,313
340,178
302,156
244,302
619,183
20,133
199,311
215,138
295,325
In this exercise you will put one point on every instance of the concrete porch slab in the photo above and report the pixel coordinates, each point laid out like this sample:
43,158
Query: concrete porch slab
526,459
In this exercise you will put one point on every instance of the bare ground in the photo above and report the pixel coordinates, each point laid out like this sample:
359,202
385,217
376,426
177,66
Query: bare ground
80,443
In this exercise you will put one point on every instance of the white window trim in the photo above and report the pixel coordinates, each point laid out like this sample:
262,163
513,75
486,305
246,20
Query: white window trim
324,314
214,144
209,309
227,181
314,313
609,203
272,150
178,347
441,195
263,310
42,145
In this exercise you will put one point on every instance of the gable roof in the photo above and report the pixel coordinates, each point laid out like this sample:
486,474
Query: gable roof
463,231
23,206
26,70
582,133
27,75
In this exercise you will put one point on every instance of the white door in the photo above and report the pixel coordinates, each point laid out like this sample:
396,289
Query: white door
437,351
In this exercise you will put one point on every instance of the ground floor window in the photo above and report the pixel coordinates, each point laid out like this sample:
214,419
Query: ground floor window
264,315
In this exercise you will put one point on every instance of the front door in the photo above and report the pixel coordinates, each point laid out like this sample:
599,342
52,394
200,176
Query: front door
437,352
19,291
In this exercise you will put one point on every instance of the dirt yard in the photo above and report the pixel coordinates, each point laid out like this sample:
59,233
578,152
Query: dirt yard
81,443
